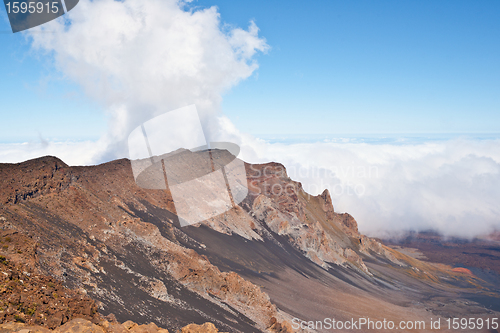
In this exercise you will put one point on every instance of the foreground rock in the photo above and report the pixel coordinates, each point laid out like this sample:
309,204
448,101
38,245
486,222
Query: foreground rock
31,298
80,325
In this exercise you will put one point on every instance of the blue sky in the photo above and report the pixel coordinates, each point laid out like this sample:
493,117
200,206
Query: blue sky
371,67
37,100
334,67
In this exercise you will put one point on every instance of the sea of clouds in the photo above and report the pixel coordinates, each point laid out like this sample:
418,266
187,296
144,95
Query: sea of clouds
450,186
141,58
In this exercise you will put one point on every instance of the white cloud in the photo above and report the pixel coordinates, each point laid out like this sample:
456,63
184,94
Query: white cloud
73,153
143,58
450,186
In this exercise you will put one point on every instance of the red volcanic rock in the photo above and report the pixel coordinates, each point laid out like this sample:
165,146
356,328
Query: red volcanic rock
349,222
205,328
462,270
32,178
79,325
31,298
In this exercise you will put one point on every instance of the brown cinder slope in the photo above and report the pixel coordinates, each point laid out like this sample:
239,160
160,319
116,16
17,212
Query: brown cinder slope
280,254
87,237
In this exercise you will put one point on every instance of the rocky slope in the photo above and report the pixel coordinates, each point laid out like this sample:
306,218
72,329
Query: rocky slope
36,299
80,325
32,302
279,254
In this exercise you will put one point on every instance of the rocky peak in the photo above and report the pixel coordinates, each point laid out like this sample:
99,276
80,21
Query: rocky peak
349,223
32,178
326,204
310,222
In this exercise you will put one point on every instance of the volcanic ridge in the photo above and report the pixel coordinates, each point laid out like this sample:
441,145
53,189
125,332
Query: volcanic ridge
117,251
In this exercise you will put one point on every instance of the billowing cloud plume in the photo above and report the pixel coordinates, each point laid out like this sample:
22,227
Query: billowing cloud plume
142,58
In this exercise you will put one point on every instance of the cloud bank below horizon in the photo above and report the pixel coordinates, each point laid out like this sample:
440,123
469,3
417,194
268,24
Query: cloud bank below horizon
448,186
451,187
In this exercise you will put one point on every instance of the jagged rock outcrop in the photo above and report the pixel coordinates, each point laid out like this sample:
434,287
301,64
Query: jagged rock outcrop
34,178
326,237
327,205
